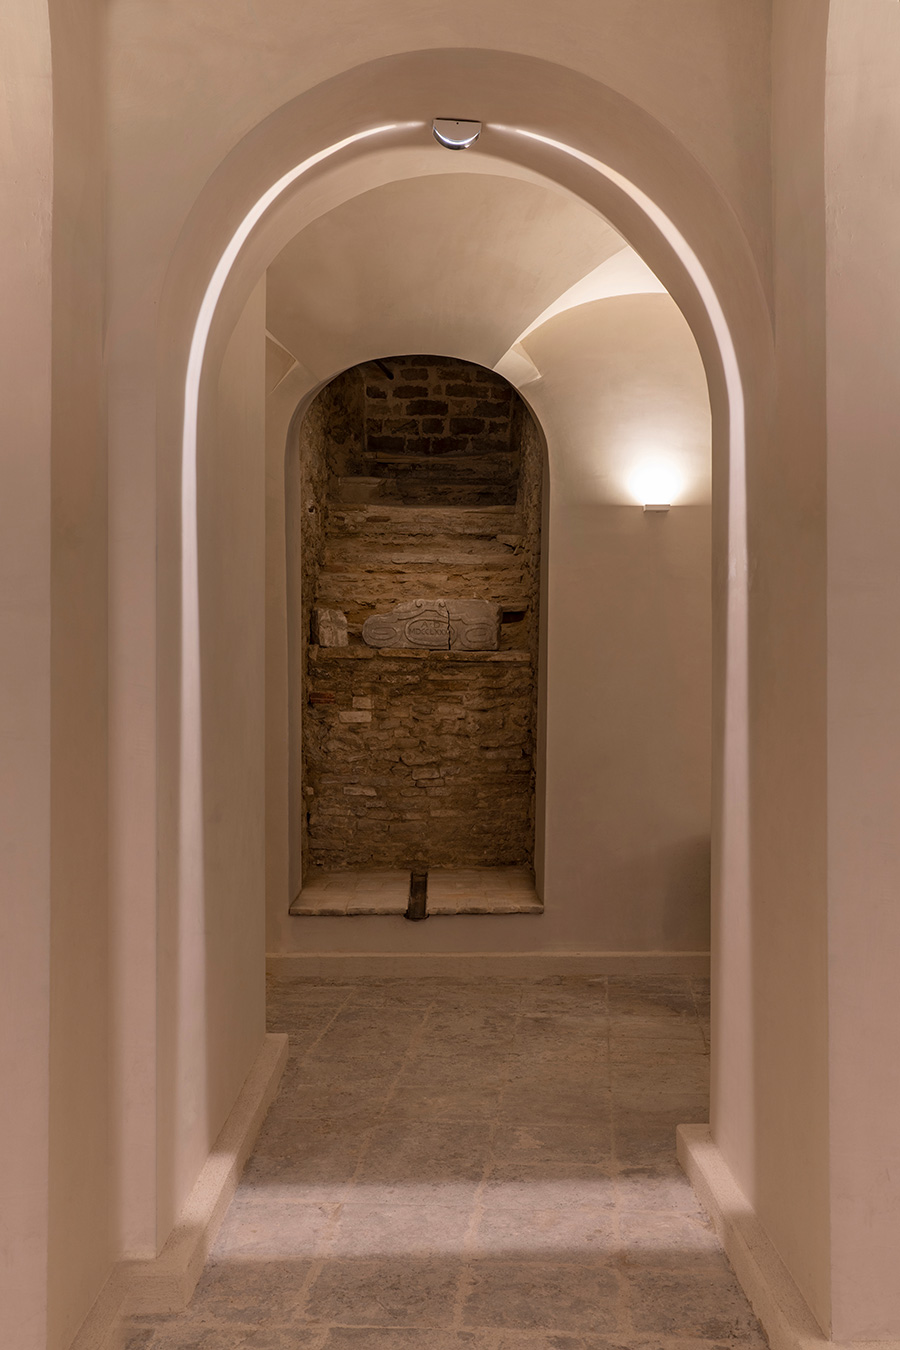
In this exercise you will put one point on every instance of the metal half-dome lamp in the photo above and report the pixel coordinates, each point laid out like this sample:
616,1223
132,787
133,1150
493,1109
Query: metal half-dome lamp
455,133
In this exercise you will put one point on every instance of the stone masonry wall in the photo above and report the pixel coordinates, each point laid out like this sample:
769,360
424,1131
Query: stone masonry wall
420,757
440,430
428,485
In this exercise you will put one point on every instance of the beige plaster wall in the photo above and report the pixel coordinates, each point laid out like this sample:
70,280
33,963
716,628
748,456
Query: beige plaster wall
698,66
212,1015
862,184
628,644
26,149
770,1086
54,1116
80,1247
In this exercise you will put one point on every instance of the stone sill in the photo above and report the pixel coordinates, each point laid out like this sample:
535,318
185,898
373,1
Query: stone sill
317,910
500,890
411,654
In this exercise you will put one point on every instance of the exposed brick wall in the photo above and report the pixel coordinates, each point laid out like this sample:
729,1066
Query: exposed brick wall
438,420
420,755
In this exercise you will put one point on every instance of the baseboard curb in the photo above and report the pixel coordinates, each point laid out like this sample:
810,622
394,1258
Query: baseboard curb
785,1315
481,965
165,1284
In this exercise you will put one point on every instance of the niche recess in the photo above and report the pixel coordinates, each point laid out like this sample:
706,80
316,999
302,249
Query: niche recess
419,480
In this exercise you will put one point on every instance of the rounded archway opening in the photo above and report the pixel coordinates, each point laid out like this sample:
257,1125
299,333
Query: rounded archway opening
414,558
734,342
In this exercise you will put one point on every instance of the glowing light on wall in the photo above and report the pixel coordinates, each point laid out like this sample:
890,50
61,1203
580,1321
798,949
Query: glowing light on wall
655,483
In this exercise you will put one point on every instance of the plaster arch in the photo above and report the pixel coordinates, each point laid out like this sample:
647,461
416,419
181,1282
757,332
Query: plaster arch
541,121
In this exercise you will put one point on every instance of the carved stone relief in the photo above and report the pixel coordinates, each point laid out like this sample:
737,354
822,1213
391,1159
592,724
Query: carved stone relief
437,625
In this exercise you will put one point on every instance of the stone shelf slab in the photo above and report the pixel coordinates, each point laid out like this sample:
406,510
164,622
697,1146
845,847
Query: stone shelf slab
334,894
375,893
482,890
361,653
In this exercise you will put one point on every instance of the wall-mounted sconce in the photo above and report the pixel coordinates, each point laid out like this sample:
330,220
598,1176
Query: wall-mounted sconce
655,484
455,133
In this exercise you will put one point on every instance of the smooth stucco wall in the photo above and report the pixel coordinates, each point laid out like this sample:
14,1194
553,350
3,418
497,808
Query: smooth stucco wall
862,182
770,1015
80,1144
212,988
25,365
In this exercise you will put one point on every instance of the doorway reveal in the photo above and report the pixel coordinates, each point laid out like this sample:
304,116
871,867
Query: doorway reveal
420,501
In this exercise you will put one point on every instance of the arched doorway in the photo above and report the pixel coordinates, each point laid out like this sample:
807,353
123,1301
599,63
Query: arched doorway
574,173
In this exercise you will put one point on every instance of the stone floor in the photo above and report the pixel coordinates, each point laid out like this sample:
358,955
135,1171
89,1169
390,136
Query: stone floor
487,1166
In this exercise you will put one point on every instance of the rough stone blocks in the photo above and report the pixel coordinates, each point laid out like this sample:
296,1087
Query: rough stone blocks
329,627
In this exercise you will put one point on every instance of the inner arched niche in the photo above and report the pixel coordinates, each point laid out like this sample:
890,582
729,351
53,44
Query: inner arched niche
419,484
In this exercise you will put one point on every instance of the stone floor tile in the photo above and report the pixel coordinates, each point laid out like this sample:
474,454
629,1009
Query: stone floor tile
655,1188
406,1293
662,1076
284,1136
551,1072
456,1071
670,1241
555,1102
226,1336
551,1185
307,1098
419,1158
430,1101
671,1032
396,1338
750,1340
553,1340
513,1227
246,1291
682,1304
331,1066
528,1295
274,1229
550,1143
656,1102
661,998
372,1231
644,1131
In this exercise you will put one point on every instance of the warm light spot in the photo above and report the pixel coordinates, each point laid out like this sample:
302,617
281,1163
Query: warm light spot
655,482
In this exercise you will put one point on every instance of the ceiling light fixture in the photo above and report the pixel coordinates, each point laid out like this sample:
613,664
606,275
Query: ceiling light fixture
454,133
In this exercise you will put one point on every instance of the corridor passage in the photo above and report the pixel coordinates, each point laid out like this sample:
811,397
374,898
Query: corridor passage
484,1165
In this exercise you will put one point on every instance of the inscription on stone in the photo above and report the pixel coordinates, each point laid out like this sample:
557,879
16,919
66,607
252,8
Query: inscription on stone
437,625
